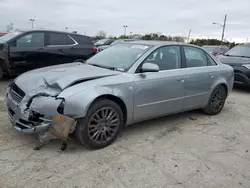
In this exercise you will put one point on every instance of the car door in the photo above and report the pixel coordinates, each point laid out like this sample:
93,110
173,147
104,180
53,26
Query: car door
200,76
60,47
27,52
159,93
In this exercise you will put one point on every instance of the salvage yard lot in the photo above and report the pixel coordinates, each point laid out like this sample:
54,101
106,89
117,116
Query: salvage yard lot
184,150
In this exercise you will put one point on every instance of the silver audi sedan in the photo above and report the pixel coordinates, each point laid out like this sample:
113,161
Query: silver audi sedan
125,84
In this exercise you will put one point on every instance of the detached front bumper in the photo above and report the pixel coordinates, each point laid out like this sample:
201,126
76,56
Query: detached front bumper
20,118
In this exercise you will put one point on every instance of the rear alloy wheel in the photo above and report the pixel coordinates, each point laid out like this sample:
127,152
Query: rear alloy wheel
216,101
101,126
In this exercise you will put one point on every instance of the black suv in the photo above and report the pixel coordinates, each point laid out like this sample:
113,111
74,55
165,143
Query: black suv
21,52
239,58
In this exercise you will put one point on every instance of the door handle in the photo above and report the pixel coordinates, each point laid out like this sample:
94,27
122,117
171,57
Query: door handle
181,80
211,76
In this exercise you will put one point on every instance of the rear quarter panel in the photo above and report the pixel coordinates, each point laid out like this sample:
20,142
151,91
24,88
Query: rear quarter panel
225,75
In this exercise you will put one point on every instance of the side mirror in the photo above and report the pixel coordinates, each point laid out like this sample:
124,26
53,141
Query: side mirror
150,67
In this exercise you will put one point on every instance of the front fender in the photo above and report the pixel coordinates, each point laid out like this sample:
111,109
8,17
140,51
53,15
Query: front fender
77,105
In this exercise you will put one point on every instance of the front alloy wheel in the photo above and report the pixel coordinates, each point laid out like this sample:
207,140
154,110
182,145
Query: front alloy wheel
102,124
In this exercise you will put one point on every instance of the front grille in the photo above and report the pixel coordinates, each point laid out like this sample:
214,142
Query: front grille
16,93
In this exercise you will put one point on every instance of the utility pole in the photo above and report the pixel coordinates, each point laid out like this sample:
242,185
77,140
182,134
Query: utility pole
32,20
66,28
207,40
223,31
223,28
131,33
125,29
189,33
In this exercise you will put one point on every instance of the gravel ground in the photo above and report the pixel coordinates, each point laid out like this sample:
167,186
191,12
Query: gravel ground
181,151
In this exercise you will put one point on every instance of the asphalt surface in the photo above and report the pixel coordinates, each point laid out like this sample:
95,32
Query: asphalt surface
187,150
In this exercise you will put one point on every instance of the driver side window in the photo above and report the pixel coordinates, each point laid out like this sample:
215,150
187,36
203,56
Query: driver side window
31,40
167,58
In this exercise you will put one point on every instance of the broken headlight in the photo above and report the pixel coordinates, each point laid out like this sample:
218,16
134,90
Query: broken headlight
60,108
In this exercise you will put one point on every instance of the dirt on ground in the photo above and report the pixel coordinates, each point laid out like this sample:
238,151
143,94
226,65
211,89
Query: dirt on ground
186,150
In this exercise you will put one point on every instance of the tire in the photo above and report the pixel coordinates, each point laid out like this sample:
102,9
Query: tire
91,130
216,101
1,73
79,60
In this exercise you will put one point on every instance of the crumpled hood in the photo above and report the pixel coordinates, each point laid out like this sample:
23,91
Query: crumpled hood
233,61
61,76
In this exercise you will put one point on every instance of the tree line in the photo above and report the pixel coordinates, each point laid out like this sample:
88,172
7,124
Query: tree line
161,37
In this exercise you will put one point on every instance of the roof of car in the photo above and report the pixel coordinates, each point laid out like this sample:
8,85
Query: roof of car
214,46
42,30
152,42
159,43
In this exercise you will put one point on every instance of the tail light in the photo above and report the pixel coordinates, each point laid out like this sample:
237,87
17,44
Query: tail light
95,49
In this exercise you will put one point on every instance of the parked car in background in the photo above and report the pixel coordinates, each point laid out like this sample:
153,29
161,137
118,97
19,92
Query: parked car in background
21,52
118,41
3,33
239,58
94,41
215,50
103,42
126,83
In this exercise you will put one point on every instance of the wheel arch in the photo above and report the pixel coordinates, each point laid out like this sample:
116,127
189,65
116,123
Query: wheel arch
225,87
221,82
115,99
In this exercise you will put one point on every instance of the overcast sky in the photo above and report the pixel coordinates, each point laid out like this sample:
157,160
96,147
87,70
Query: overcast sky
171,17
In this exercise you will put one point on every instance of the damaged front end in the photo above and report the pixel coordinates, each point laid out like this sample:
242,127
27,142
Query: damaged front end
39,111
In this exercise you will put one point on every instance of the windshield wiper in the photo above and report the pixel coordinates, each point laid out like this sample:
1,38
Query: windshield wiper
103,66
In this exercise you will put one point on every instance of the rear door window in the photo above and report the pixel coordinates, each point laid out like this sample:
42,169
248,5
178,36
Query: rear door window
60,39
195,57
83,40
211,62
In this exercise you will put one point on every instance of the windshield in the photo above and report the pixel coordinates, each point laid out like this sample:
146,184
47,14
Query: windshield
239,51
101,42
119,57
122,41
8,36
209,49
116,42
